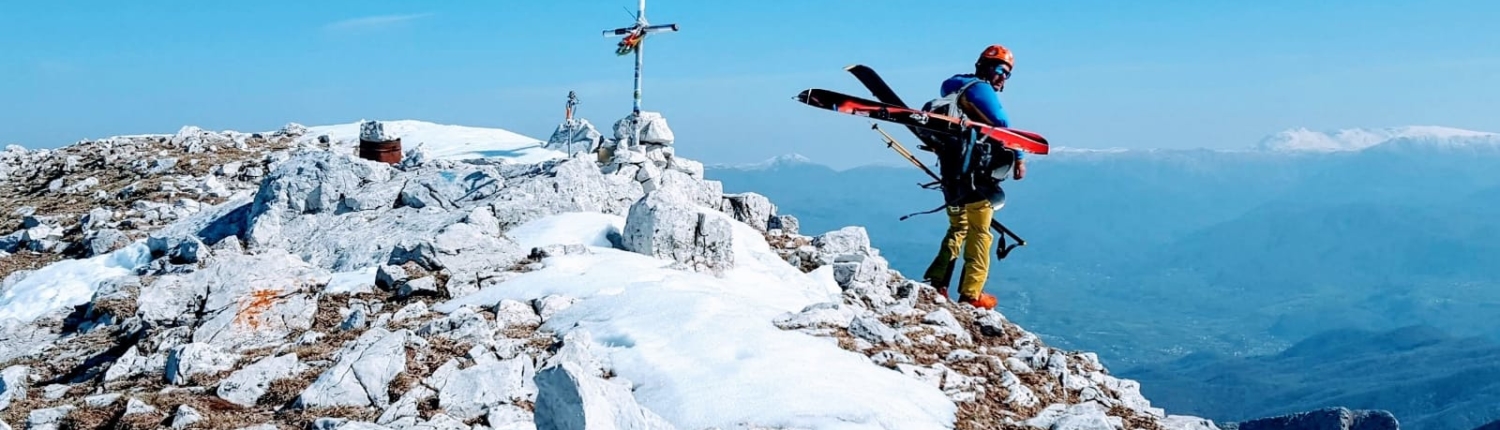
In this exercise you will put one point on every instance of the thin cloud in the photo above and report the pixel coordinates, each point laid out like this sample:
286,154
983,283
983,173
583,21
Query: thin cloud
371,22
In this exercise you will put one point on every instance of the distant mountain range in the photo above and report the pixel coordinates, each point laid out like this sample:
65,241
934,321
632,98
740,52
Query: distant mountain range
1302,139
1150,256
1427,378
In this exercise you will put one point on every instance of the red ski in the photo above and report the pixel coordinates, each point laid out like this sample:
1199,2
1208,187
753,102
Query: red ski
844,103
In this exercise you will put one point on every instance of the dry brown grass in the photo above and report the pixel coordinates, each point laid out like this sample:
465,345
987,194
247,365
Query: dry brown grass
326,320
327,316
403,382
256,354
785,246
203,400
530,332
217,412
976,416
526,264
282,392
68,355
303,418
91,417
542,343
25,260
846,341
151,381
326,348
20,409
140,422
120,308
1133,419
109,417
208,380
429,407
422,364
112,168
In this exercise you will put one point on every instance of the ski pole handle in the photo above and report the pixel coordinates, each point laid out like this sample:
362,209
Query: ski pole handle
1006,231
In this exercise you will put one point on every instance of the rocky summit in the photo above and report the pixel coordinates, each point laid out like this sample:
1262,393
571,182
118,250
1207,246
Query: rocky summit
275,280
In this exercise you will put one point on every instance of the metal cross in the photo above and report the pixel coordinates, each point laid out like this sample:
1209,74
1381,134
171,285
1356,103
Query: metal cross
635,36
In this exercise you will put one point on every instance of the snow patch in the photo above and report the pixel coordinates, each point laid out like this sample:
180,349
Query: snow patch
447,141
354,281
724,363
583,228
69,283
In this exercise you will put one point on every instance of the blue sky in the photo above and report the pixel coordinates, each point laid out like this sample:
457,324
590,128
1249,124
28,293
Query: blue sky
1089,73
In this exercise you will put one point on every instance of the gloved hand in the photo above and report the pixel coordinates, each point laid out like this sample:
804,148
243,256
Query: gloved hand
1020,170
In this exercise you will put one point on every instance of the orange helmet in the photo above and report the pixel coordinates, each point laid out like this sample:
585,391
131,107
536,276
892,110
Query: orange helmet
996,54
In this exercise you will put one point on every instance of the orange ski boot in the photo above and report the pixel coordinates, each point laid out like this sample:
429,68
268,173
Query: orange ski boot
984,301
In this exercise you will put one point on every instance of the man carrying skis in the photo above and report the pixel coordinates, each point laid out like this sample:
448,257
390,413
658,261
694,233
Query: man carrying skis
971,173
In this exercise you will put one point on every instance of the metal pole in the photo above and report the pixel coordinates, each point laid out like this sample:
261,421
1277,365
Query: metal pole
568,119
640,19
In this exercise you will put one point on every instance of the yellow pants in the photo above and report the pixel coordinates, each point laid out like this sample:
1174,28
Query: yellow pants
969,231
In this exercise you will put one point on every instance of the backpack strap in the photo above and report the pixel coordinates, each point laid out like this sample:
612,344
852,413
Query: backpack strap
955,110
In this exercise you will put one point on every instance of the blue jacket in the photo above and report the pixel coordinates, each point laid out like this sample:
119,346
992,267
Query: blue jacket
981,102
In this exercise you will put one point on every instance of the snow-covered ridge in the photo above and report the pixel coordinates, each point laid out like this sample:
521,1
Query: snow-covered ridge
137,183
493,293
1303,139
447,141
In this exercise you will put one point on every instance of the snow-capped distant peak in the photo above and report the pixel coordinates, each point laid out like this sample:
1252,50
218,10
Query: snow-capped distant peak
785,160
1356,139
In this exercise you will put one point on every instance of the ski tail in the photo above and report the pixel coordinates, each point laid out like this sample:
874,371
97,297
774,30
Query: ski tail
876,84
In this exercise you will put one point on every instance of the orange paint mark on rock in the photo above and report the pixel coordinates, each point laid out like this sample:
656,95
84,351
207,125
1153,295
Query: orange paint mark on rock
253,306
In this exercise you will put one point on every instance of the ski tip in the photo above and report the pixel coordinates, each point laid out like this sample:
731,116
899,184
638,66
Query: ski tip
805,96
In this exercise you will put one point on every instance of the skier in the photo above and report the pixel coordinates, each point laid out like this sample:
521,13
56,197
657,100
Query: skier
971,173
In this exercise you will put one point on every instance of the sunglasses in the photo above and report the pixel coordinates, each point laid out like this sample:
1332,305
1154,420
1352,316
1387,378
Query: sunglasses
1003,71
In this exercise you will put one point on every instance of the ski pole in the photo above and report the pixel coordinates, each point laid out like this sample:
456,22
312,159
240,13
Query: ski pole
994,224
890,142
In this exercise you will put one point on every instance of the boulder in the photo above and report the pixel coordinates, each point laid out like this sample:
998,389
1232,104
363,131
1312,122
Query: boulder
575,135
245,386
853,240
477,390
246,301
104,241
569,398
197,359
750,208
654,129
665,225
176,249
362,374
14,383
